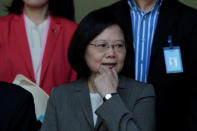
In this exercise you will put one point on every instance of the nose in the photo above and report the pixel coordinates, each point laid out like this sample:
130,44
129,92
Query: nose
110,53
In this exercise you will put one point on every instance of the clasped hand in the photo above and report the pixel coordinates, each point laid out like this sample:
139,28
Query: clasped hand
106,81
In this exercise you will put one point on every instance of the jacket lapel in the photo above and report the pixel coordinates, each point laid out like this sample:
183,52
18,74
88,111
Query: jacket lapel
99,122
166,22
53,33
130,47
82,94
22,43
122,92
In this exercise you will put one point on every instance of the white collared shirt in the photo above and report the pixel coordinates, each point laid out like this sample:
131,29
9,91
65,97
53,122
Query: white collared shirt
96,101
35,34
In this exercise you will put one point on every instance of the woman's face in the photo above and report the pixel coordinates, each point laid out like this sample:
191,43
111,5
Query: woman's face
107,49
35,3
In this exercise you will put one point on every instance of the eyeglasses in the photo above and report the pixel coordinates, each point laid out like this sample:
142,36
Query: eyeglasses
102,46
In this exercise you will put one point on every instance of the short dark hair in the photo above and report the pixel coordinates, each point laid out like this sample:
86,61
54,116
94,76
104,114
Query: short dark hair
92,25
59,8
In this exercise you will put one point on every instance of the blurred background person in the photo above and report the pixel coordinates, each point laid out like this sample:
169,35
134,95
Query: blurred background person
17,109
102,99
34,40
162,47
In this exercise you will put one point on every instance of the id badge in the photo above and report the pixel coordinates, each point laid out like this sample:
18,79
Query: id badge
173,59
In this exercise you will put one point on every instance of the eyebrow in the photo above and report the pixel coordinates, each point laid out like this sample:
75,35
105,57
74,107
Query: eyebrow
106,41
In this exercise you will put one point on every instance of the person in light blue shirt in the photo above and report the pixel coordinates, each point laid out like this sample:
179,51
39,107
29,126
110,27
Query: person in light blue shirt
143,24
162,42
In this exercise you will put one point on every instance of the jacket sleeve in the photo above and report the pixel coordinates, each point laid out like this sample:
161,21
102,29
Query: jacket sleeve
192,80
50,121
118,117
25,118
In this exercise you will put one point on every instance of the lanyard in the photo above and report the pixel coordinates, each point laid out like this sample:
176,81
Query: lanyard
44,44
170,41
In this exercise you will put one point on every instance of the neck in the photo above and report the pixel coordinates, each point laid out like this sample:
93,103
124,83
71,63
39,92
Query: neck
37,15
91,86
145,4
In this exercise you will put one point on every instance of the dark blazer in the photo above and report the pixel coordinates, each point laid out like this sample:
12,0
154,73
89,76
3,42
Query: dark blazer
69,108
173,97
17,111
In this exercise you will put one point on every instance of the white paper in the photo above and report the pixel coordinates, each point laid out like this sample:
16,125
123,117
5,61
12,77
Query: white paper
40,96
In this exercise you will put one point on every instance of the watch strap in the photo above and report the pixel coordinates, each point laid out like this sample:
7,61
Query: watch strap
107,98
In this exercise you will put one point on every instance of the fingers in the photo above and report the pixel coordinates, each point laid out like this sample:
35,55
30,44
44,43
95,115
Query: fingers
107,72
102,69
106,80
105,69
115,74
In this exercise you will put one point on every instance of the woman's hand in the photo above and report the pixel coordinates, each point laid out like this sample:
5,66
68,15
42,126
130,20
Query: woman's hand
106,81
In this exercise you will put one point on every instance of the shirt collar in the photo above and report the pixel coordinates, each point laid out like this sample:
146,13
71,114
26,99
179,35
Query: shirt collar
31,24
132,4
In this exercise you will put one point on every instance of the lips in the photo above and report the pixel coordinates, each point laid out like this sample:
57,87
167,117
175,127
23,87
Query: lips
110,65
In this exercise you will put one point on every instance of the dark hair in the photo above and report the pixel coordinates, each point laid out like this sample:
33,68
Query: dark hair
92,25
59,8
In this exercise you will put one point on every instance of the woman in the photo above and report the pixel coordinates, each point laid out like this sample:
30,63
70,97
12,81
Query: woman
101,99
34,40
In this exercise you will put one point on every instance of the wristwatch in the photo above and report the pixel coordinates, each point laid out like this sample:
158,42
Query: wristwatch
108,96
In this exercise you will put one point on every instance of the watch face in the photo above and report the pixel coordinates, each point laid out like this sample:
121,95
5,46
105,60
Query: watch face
108,96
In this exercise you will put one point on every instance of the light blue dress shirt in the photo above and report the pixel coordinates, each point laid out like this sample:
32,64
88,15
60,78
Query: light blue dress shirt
143,26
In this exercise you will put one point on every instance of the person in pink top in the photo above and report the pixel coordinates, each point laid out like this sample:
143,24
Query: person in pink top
34,40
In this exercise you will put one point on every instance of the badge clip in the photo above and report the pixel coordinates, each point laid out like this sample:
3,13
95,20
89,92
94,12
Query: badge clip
170,41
